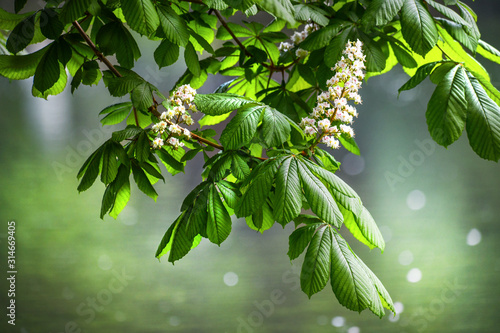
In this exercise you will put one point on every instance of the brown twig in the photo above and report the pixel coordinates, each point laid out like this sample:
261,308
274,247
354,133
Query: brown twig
99,55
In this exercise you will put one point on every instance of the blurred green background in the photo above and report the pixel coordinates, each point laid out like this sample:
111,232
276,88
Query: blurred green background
438,211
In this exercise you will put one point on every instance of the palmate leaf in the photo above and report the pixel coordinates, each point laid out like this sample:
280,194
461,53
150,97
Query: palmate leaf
141,16
446,111
219,221
483,120
315,271
288,194
418,26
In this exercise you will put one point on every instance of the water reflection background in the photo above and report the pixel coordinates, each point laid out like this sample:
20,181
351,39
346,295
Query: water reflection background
439,217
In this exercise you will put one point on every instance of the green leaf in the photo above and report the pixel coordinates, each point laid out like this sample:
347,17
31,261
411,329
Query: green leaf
446,111
19,4
320,38
349,144
483,120
51,27
457,31
127,133
351,284
305,12
113,38
282,9
447,12
380,12
420,75
22,66
385,298
141,16
487,51
48,71
288,193
109,164
375,58
239,167
8,21
192,61
142,96
300,238
418,26
115,113
229,192
121,200
364,228
242,128
454,50
258,190
173,165
73,9
143,182
22,35
344,195
275,127
404,58
177,240
219,221
328,162
91,167
315,271
319,197
333,51
173,26
220,103
142,147
166,54
208,120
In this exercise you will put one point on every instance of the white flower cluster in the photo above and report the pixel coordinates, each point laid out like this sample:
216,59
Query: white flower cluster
332,116
177,113
297,38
